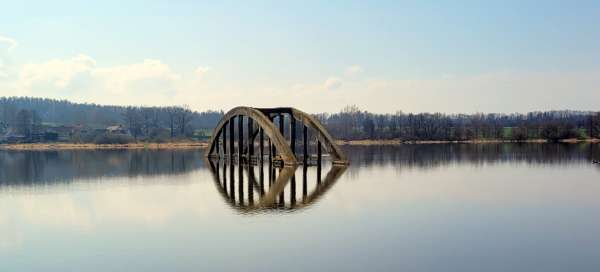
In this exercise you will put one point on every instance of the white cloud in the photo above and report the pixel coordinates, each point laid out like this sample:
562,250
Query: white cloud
57,73
202,70
6,44
12,43
79,78
149,68
3,73
332,83
147,76
153,82
353,70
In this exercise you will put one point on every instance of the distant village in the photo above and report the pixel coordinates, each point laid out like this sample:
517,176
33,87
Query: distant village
61,133
85,134
40,120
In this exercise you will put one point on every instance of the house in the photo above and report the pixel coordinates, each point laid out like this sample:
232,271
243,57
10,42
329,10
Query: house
3,128
12,136
117,130
63,132
82,133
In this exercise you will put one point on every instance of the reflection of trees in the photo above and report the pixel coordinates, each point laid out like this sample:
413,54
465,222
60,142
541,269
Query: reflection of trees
39,167
436,155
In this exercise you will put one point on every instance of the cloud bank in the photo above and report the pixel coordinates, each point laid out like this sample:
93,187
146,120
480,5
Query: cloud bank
9,42
81,78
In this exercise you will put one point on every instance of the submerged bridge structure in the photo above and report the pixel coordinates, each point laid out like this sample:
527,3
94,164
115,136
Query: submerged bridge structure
283,136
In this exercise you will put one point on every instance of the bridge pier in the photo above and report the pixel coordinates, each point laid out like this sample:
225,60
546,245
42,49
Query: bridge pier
231,138
272,148
224,133
305,144
319,153
293,135
250,140
240,145
261,136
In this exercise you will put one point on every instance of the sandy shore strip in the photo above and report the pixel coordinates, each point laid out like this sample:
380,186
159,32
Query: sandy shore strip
200,145
72,146
400,142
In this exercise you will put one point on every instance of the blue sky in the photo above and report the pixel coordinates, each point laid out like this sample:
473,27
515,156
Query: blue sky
383,56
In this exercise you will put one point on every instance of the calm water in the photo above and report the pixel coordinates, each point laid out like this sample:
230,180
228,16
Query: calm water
489,207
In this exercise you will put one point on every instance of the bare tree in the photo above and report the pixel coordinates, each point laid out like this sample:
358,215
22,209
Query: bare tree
24,121
133,119
171,117
183,118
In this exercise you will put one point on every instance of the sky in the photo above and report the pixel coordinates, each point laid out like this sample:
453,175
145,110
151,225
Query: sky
319,56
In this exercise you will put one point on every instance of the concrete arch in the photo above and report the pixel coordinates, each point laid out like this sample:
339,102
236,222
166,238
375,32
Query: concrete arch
283,149
334,150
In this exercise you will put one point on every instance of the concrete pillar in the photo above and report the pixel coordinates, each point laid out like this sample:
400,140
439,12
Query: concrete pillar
261,146
240,139
293,134
250,139
319,153
224,132
305,141
272,149
231,138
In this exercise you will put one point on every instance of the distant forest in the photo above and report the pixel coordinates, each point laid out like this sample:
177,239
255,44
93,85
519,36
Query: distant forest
25,119
353,124
33,119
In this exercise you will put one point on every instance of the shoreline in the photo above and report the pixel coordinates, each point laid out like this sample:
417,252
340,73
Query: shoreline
73,146
204,144
400,142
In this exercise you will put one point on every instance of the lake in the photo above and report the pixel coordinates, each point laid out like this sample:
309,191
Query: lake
440,207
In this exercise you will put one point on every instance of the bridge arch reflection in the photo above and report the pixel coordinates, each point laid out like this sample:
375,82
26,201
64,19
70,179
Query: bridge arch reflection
260,188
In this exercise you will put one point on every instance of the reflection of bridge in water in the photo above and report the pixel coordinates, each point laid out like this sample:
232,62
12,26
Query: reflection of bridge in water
262,187
237,152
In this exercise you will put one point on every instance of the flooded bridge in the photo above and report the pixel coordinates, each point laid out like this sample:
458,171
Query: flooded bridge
283,136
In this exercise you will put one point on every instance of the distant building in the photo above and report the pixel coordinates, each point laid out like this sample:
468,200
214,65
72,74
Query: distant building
82,133
117,130
3,128
63,132
12,136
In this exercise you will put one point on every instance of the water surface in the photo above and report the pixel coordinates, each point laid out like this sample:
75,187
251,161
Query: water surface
456,207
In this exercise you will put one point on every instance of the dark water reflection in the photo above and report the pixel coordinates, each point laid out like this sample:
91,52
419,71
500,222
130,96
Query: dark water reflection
39,167
435,155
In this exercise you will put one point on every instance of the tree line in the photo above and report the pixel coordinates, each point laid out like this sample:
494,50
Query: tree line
31,116
353,124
